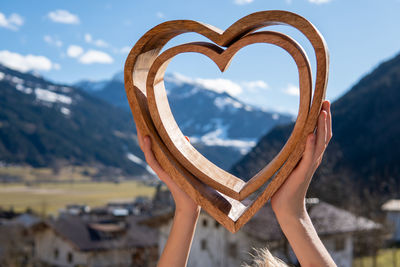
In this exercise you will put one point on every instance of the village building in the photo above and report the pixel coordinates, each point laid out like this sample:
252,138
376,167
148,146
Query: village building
392,209
16,242
78,241
213,245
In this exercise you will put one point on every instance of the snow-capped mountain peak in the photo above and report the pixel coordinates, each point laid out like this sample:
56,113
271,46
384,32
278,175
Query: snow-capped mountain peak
220,126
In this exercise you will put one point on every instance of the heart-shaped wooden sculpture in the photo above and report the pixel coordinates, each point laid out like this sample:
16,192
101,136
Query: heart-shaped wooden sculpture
216,191
186,154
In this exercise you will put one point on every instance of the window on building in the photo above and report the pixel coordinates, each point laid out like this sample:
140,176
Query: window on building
203,244
340,243
205,222
55,253
139,257
70,257
232,250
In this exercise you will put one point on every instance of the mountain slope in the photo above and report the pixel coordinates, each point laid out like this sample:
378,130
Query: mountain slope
45,124
361,162
220,126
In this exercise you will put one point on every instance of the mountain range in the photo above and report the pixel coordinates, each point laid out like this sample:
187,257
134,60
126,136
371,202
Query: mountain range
220,126
361,167
45,124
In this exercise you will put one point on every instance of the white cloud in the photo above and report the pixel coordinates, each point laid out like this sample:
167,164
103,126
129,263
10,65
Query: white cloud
125,50
13,22
88,38
318,2
220,85
253,86
52,41
26,63
56,66
292,90
243,2
160,15
100,43
74,51
63,16
89,57
95,56
217,85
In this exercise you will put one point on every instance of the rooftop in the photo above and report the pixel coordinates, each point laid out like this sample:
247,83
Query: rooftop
391,205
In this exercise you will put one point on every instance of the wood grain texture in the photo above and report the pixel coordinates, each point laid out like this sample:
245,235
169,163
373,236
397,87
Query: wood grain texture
218,192
175,140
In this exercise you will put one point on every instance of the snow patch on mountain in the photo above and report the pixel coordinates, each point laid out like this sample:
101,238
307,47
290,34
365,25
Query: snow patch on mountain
224,102
135,159
65,111
48,96
23,89
140,162
219,137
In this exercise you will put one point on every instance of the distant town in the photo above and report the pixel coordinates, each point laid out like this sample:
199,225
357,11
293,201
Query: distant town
133,233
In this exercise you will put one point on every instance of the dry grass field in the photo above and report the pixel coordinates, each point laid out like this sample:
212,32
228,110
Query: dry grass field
385,258
48,198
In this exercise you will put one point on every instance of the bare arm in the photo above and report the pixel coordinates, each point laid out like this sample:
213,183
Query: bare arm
176,250
288,202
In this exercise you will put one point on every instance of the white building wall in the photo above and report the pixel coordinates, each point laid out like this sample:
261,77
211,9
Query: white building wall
393,218
343,257
221,248
110,258
47,242
218,239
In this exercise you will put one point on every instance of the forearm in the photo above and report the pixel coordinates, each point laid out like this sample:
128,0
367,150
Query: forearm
176,250
304,240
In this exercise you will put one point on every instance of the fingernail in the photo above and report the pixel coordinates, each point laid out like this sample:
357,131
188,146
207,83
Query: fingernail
327,104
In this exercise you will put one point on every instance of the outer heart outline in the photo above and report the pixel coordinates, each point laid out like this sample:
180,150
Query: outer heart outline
184,152
230,213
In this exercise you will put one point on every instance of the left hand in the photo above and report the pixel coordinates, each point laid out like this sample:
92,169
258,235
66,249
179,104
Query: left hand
183,202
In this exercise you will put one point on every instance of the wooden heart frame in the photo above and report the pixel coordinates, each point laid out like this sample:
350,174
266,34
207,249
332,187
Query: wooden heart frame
144,69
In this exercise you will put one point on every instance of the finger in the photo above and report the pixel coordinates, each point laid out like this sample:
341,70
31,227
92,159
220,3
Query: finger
321,134
139,137
327,107
149,155
308,154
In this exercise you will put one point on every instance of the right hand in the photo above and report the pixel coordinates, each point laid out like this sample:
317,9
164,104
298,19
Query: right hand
289,200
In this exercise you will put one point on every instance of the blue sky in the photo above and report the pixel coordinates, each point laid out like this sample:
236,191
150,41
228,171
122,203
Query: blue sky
67,41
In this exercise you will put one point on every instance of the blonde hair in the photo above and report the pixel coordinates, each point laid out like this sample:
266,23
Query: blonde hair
264,258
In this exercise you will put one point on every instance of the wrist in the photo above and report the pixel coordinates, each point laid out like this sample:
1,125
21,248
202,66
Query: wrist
187,210
294,212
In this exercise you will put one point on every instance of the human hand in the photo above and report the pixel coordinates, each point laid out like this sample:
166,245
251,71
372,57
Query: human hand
182,201
289,200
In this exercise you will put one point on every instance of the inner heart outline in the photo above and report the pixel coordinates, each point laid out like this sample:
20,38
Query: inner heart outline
230,213
183,151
